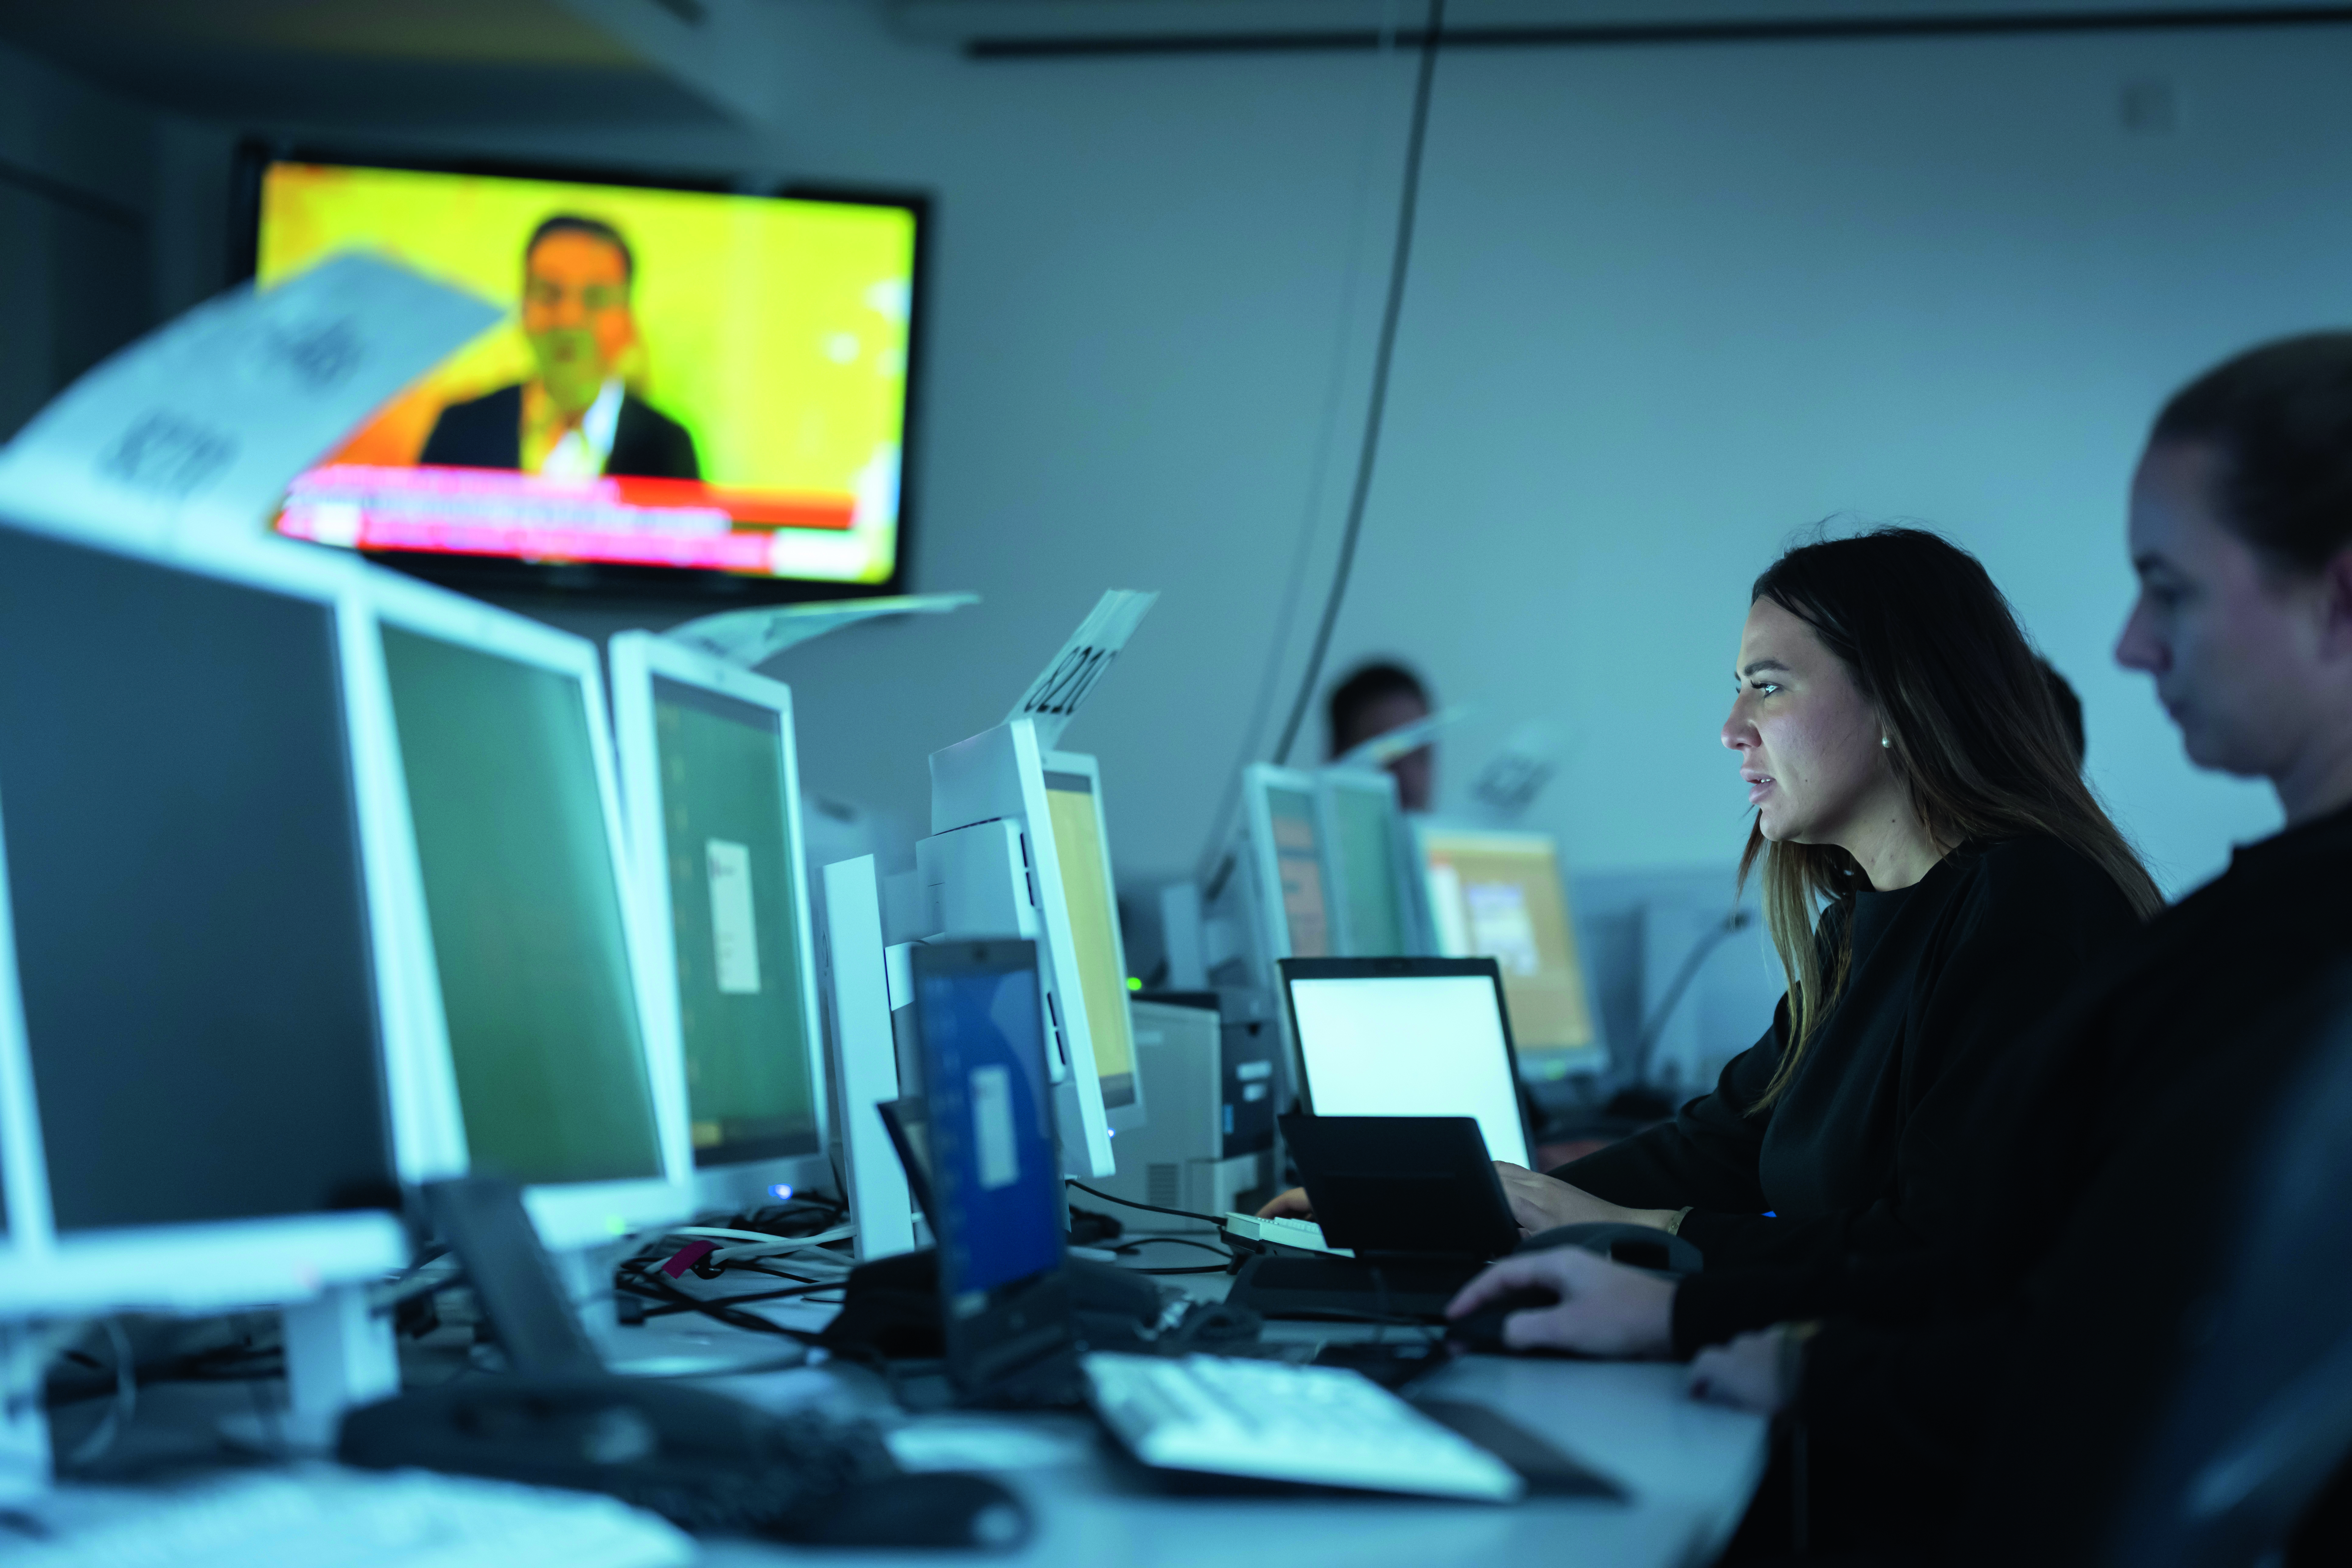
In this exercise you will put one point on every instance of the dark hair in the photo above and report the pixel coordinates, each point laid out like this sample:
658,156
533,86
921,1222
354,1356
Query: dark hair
594,229
1365,685
2070,709
2280,415
1972,730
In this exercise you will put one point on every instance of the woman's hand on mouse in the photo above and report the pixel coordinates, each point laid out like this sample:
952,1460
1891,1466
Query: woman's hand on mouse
1756,1372
1604,1309
1292,1204
1539,1203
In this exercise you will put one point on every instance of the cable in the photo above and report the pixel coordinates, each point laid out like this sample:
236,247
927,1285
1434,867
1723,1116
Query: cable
654,1285
1147,1208
1327,427
1723,931
1376,412
104,1435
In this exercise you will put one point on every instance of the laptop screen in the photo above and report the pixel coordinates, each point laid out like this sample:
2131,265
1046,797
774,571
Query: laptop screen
1410,1045
995,1184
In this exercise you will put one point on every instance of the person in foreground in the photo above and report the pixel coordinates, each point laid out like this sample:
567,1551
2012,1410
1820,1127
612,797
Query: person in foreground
2240,534
1909,772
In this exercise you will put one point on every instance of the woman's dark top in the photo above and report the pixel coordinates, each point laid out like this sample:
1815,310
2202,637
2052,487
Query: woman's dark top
1876,1145
2013,1350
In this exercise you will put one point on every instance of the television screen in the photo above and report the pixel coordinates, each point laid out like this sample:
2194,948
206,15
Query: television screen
685,382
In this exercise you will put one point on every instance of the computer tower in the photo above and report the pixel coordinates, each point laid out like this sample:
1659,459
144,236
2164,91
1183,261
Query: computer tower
1203,1150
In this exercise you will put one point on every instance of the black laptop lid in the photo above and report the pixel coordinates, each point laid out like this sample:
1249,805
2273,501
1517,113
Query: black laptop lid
1403,1184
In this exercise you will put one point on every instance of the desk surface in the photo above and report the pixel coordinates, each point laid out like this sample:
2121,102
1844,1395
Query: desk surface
1688,1470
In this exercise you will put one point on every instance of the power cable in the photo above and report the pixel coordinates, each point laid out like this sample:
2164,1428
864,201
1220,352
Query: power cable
1376,412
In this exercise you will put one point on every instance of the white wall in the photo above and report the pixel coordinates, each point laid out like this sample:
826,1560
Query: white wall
1669,305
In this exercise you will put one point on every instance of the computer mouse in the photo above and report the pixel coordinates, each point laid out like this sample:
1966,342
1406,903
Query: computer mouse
1635,1246
936,1509
1480,1332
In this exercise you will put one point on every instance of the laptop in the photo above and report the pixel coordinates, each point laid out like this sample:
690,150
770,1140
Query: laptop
987,1173
1409,1088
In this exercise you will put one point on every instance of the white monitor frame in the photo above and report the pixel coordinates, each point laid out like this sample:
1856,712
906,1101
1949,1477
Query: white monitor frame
279,1260
638,658
569,1215
1591,1058
1404,871
1128,1117
1267,915
1000,775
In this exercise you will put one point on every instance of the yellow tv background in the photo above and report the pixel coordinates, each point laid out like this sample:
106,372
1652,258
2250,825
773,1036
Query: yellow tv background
774,330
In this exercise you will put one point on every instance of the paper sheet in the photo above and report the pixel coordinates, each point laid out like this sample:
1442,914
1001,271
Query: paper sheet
191,436
1053,696
752,637
1383,749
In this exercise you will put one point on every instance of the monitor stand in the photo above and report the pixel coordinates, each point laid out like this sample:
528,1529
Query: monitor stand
340,1355
24,1420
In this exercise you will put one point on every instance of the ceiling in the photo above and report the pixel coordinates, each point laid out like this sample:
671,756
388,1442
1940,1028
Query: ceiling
430,62
993,26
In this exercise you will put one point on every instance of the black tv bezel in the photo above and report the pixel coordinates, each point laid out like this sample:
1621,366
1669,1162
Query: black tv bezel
699,588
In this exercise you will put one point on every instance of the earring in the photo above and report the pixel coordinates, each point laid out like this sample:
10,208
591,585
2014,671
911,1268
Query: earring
1887,741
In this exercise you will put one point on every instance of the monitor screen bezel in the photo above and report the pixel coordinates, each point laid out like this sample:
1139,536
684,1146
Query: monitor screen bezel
1331,784
1272,920
1134,1113
573,581
639,659
572,1214
1592,1056
277,1259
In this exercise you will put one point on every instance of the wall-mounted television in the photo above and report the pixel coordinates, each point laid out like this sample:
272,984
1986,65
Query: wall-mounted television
693,392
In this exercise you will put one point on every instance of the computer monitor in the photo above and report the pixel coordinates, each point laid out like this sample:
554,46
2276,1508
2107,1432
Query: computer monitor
997,850
738,368
1374,911
1408,1037
1287,864
1082,841
710,788
1499,894
562,1038
212,1092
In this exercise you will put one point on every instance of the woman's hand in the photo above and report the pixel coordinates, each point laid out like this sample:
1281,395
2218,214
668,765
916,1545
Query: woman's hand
1539,1203
1755,1372
1605,1308
1292,1204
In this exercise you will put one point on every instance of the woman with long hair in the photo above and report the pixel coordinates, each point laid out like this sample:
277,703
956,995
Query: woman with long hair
1935,873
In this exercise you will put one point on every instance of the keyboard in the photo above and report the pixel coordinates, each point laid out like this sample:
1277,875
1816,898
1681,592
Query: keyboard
1303,1234
324,1516
1271,1421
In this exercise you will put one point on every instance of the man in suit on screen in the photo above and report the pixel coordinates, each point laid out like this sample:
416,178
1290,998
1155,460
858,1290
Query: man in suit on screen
574,419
